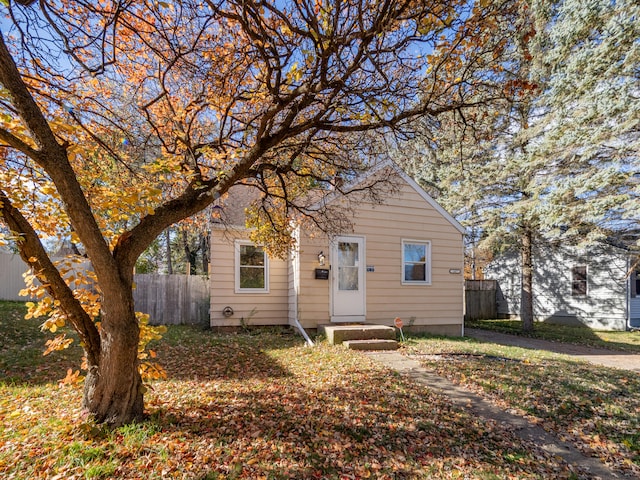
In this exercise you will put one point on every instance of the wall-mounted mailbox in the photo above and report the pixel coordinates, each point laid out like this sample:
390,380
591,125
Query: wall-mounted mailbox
322,273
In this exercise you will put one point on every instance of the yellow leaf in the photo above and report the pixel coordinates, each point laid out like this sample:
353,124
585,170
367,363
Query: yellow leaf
48,190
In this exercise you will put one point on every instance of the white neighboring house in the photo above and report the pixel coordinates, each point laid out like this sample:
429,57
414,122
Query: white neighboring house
11,281
403,258
596,286
13,268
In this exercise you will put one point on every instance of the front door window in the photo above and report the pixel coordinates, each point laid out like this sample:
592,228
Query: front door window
348,265
347,279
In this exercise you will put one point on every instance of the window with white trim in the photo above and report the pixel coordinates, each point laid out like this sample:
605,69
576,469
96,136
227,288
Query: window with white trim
579,281
252,268
416,262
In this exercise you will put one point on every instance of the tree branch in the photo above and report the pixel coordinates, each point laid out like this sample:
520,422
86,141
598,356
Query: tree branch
34,255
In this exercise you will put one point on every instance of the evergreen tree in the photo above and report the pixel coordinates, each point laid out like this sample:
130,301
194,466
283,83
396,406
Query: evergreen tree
558,154
589,52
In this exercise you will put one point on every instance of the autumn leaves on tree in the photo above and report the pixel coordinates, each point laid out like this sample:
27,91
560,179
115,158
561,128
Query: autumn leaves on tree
119,119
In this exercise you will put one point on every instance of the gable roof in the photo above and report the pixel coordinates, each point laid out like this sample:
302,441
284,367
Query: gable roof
240,196
410,181
428,198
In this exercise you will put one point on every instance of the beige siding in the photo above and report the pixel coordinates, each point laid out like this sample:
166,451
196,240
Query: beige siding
313,296
268,308
404,216
296,293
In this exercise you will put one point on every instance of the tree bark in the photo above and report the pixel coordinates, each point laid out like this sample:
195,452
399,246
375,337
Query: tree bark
167,239
526,288
113,392
205,246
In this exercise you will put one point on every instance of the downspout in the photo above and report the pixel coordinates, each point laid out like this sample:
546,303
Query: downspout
464,291
296,323
294,265
628,293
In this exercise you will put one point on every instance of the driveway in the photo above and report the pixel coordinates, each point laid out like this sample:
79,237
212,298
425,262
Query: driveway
597,356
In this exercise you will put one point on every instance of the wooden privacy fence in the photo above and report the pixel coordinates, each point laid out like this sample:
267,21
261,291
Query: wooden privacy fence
172,299
480,299
168,299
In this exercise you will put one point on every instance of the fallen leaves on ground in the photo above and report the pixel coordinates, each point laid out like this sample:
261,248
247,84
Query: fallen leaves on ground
596,408
264,407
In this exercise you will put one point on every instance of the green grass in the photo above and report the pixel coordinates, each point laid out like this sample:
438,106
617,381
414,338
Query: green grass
623,341
250,406
22,344
597,408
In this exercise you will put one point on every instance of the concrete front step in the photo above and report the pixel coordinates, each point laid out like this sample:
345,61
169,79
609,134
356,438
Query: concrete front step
373,344
337,334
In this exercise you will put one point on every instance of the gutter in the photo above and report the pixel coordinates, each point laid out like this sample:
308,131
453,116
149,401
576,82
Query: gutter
296,323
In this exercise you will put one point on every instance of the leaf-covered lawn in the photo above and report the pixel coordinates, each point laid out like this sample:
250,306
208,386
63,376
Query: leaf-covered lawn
260,406
597,408
578,335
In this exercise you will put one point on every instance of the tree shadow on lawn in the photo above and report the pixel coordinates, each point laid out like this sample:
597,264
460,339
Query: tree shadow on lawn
575,339
30,367
224,357
288,430
213,357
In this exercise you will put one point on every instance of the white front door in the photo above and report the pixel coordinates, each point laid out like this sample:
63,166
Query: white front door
347,279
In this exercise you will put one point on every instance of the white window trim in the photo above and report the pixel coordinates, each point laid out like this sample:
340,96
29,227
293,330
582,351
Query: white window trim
586,280
236,248
427,280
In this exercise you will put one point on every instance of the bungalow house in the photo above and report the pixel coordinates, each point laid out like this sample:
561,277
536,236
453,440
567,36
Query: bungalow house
595,286
402,257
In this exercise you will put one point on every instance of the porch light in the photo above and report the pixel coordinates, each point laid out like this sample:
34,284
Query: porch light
321,258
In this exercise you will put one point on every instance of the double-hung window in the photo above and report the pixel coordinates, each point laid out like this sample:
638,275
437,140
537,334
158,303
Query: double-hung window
416,262
579,281
252,268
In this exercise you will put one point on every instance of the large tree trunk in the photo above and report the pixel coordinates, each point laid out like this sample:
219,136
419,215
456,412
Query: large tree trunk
526,289
205,248
113,392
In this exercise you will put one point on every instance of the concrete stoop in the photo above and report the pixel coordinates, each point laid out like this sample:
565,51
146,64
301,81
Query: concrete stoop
360,336
374,344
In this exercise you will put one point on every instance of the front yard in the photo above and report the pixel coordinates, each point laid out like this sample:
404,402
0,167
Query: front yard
622,341
596,408
265,406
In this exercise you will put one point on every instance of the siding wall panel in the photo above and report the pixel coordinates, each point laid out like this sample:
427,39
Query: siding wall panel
605,304
403,216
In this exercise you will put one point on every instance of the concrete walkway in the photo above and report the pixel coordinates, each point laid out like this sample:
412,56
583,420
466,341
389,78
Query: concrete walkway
597,356
481,407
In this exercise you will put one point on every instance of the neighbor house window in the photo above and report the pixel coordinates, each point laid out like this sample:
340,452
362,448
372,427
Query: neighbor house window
579,280
416,262
252,268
